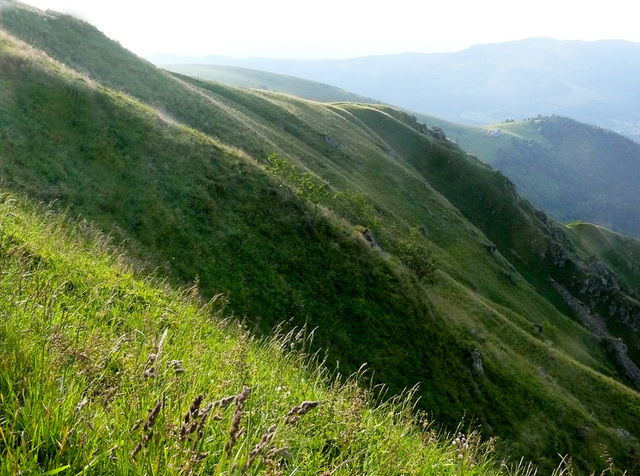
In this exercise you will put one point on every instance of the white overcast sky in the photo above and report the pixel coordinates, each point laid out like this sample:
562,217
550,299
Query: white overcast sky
344,28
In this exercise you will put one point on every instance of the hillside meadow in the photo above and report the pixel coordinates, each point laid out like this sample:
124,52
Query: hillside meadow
107,371
388,243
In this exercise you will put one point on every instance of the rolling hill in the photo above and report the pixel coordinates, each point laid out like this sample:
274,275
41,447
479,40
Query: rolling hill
571,170
593,82
395,246
251,78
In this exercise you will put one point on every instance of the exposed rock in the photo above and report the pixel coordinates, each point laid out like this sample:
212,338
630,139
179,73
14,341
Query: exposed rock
593,322
600,284
331,141
558,254
599,280
630,369
368,235
477,361
436,133
596,324
624,433
513,278
538,327
627,312
559,246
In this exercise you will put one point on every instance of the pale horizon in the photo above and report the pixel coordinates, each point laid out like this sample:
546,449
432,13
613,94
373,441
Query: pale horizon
340,30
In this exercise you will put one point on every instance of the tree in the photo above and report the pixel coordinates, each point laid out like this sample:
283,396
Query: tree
416,255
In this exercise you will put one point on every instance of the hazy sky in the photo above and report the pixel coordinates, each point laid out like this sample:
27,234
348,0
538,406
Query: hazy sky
344,28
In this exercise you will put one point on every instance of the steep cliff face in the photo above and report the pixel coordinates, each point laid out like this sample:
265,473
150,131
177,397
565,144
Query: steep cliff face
595,294
599,300
543,251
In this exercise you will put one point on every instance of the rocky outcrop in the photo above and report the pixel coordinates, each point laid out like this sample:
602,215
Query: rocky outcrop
331,141
371,239
626,311
593,322
599,280
555,232
629,367
596,324
436,133
477,361
558,247
599,285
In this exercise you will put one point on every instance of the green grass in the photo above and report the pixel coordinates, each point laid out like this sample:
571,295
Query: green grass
90,349
176,170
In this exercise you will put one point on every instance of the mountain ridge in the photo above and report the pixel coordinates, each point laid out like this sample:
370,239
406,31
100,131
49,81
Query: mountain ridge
573,171
589,81
495,339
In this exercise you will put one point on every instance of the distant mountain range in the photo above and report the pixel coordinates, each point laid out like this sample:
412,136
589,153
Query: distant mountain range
593,82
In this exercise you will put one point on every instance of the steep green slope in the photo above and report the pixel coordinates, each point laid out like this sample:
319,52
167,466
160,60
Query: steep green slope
102,371
557,264
571,170
207,214
487,336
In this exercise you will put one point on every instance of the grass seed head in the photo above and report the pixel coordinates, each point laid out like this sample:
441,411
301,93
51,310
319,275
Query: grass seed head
153,415
259,448
176,365
235,431
193,410
84,401
299,410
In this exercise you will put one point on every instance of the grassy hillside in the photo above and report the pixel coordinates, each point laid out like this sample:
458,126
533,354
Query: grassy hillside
571,170
102,371
177,169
